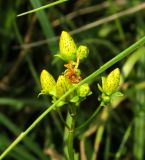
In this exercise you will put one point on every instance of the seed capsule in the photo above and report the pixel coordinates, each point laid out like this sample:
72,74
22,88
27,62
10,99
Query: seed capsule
62,86
82,52
67,47
111,83
47,82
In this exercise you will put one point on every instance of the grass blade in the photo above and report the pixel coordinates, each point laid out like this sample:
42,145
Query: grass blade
42,7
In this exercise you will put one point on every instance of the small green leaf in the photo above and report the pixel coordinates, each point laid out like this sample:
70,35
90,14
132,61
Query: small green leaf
99,87
117,94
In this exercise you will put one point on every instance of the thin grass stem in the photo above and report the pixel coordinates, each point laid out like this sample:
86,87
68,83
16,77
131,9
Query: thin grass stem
42,7
89,119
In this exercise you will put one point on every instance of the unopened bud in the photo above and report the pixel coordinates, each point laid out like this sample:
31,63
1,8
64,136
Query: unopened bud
82,52
47,82
111,82
67,47
62,85
84,90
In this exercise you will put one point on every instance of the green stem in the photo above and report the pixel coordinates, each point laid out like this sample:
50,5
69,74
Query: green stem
122,145
23,134
62,119
42,7
71,133
108,138
65,138
70,143
93,76
90,118
98,139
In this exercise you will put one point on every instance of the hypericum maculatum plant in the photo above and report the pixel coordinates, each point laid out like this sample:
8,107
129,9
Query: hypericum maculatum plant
73,55
66,81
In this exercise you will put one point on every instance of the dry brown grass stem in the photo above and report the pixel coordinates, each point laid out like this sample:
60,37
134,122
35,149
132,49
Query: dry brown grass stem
82,150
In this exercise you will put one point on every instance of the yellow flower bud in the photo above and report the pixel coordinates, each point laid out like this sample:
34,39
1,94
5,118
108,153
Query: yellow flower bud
47,83
67,46
62,85
82,52
111,83
84,90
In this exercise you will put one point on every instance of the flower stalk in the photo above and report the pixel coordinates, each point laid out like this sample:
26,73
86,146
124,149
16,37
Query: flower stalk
71,131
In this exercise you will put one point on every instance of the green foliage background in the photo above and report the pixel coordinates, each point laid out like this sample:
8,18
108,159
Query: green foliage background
28,45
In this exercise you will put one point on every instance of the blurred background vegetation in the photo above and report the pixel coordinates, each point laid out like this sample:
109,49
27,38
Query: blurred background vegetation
28,45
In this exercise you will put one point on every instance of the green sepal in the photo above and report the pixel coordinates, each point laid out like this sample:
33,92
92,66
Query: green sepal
59,56
103,80
75,99
106,100
99,87
117,94
41,93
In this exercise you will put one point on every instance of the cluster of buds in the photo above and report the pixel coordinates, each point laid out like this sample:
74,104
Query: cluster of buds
73,55
109,87
69,50
58,88
70,77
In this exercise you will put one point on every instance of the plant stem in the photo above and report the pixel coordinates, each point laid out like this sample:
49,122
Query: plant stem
108,138
23,134
42,7
70,143
62,119
90,118
71,132
98,139
65,137
124,140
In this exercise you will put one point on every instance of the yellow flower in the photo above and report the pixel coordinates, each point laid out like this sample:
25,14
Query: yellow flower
67,46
